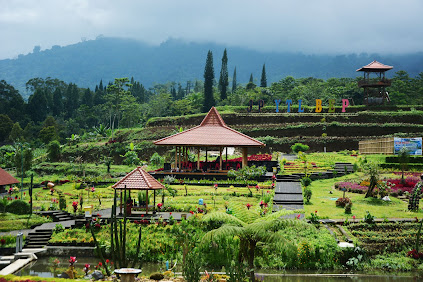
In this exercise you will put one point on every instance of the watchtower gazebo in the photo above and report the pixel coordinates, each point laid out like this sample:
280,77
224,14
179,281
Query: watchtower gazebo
211,133
6,179
138,179
375,88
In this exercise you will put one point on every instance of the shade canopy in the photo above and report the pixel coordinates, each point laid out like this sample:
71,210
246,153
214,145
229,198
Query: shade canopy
138,179
6,178
375,66
211,132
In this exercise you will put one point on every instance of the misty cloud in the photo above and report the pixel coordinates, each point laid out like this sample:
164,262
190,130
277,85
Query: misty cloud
308,26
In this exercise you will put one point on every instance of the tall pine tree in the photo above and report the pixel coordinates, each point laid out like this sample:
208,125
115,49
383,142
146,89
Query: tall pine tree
224,79
208,83
263,81
234,81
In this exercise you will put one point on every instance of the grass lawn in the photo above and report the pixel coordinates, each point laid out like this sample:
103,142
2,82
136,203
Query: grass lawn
10,221
102,197
323,202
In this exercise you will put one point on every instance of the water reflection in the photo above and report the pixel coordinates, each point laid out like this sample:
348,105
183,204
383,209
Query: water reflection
42,268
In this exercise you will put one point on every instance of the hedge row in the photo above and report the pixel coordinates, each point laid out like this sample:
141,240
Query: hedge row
398,166
231,119
411,159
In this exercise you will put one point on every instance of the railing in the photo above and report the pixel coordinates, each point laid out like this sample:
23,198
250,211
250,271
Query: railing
374,82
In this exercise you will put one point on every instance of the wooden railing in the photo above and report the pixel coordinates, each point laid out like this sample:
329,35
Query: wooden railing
374,82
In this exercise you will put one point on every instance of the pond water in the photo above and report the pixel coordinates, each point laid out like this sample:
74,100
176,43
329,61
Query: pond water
42,268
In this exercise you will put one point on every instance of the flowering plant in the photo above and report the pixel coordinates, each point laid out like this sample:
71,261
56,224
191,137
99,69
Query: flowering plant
159,205
72,261
92,189
248,206
86,269
75,206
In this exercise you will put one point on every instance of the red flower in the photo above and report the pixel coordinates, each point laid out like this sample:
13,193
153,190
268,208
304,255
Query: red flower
248,206
142,215
2,241
298,216
100,264
170,213
107,260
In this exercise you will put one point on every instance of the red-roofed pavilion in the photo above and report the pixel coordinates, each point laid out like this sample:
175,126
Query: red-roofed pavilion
6,179
212,132
139,179
375,88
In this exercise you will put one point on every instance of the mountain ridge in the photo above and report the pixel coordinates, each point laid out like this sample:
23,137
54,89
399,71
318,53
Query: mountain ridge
86,63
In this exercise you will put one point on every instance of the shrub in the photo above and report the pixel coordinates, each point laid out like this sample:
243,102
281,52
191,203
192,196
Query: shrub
348,208
18,207
299,147
342,202
307,194
306,181
156,159
156,276
53,151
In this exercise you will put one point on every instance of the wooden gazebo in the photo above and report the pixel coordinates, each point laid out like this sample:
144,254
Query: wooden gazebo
139,179
6,179
375,88
212,132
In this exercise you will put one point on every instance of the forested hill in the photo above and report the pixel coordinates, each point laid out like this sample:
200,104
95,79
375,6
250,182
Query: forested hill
87,62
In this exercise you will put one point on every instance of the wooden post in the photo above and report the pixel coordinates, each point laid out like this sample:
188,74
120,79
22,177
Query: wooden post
120,201
176,157
244,157
180,158
146,201
154,201
220,158
198,158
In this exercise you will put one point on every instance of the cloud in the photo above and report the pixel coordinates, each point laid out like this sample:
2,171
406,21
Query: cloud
309,26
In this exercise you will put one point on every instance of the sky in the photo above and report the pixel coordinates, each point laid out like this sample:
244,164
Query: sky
307,26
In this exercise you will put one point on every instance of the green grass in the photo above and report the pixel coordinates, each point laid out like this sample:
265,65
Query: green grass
323,202
9,222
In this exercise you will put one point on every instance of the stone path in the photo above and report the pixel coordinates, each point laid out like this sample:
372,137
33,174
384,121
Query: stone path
288,195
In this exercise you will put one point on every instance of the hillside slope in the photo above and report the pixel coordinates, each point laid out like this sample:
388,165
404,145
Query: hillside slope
87,62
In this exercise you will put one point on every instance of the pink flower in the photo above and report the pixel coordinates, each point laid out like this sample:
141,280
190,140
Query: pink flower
354,217
298,216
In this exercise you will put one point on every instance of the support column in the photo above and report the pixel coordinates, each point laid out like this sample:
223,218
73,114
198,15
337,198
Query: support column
180,158
198,158
244,157
154,203
220,158
176,157
146,201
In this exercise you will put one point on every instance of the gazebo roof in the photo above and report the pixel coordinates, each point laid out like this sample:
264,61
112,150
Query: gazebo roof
211,132
375,66
138,179
6,178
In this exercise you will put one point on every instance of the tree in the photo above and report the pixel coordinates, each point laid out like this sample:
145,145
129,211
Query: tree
263,81
208,83
403,158
16,134
48,134
54,151
234,81
57,108
252,230
116,94
250,85
372,169
37,106
223,79
87,98
6,125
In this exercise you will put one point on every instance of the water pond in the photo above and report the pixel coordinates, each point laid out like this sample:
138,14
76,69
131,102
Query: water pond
43,268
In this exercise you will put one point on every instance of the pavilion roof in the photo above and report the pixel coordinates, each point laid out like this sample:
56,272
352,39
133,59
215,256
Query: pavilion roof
6,178
375,66
138,179
212,132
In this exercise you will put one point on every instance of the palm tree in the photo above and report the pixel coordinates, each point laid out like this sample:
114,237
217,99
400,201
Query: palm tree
251,229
